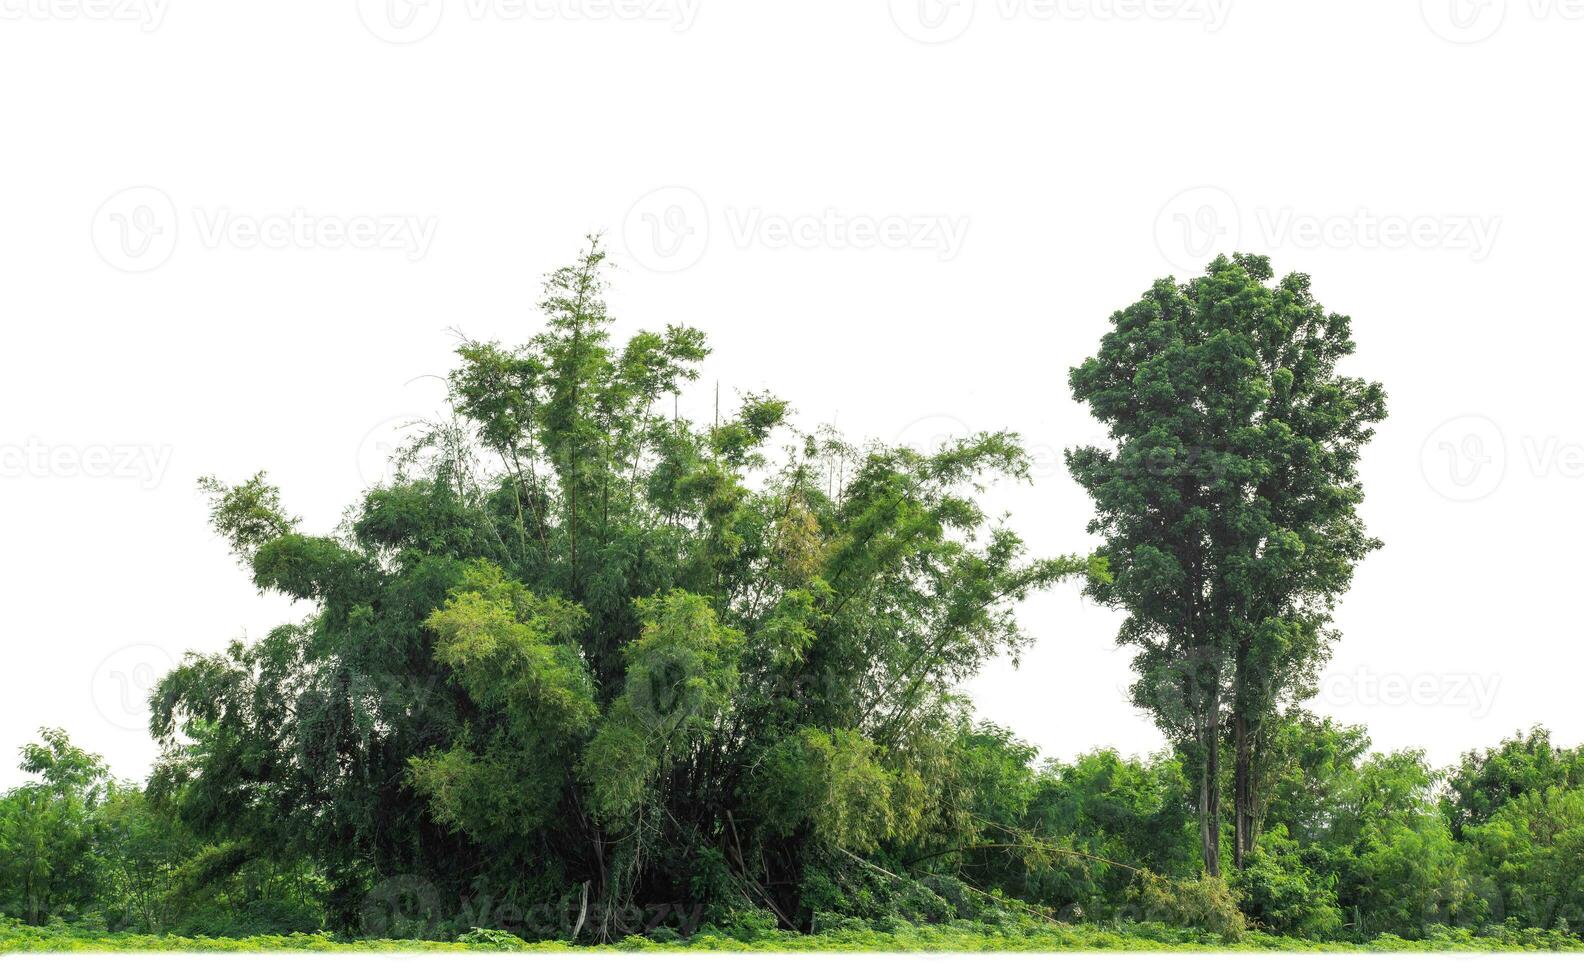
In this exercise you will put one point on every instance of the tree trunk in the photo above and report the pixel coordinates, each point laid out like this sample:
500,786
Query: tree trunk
1210,787
1243,791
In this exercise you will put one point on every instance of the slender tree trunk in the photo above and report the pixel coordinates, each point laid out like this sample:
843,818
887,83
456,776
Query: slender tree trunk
1210,786
1243,803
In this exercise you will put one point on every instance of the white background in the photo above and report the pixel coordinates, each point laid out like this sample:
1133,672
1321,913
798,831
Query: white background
794,966
1419,160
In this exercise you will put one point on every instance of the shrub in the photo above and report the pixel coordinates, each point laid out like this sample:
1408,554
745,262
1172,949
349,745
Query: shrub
1206,903
491,939
1282,893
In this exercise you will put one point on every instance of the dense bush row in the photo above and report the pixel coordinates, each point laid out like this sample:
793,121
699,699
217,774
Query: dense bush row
585,669
1356,846
1010,933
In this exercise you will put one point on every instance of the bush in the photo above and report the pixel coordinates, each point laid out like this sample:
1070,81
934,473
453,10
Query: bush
1282,893
1205,903
491,939
1532,855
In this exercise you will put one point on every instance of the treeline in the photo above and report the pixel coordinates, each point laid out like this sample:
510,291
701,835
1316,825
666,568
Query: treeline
1359,844
585,667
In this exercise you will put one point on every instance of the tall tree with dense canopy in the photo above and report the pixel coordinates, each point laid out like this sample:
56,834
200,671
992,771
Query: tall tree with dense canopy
584,651
1228,503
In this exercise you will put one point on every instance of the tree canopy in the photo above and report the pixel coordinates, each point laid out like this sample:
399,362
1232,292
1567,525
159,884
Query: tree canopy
585,667
1227,504
583,648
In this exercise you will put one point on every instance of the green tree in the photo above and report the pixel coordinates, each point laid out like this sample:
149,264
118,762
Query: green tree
1114,818
1484,781
1228,506
1283,890
143,851
550,661
1310,763
1532,852
48,866
1398,869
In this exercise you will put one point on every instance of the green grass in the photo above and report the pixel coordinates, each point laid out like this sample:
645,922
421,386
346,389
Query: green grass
1020,936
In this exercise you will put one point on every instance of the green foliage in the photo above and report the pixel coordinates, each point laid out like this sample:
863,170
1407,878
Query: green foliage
495,939
1097,824
1281,889
1396,863
248,515
1309,761
586,669
1228,504
1015,933
47,831
1531,853
555,654
1205,903
513,654
1371,855
833,782
1485,781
